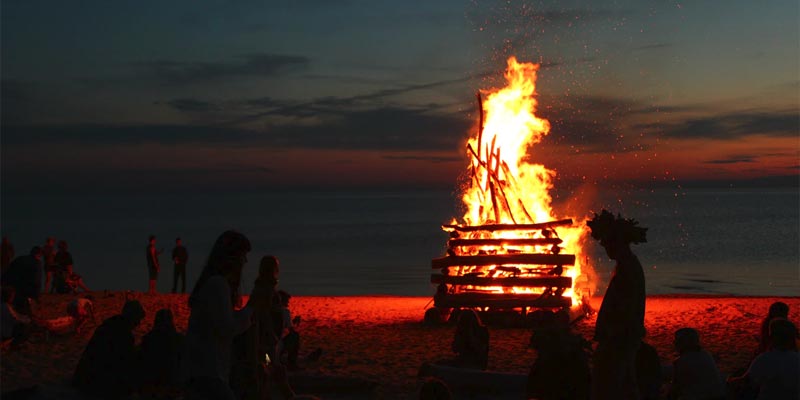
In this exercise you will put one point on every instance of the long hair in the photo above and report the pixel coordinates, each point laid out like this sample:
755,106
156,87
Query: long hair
224,260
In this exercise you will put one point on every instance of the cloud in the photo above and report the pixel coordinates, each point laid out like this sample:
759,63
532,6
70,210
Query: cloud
732,126
734,159
192,105
433,159
258,64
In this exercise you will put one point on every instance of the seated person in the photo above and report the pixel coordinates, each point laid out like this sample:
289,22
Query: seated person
106,367
775,373
777,309
13,324
289,342
695,374
561,369
471,341
159,358
81,310
648,372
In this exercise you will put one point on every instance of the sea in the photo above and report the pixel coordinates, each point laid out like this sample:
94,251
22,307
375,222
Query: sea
699,241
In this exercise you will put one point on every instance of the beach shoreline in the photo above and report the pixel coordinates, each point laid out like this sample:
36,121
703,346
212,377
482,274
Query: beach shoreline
381,338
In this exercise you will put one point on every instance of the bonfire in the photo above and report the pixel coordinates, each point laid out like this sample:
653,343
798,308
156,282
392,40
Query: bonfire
510,250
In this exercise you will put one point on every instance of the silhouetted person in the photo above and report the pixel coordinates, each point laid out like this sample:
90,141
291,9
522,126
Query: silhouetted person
250,349
160,357
25,276
471,341
153,266
179,257
50,263
695,374
774,374
12,324
6,254
561,370
81,309
649,376
107,365
214,321
620,321
65,280
777,309
289,342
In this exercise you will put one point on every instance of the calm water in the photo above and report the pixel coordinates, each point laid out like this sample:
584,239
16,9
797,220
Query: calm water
742,242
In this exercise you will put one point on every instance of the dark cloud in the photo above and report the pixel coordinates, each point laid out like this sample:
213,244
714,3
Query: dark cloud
732,125
124,135
192,105
433,159
735,159
261,64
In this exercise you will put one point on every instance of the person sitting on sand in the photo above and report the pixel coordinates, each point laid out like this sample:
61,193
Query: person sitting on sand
289,341
214,321
775,373
81,309
106,367
649,375
25,276
471,341
695,374
777,309
620,321
12,324
561,369
159,358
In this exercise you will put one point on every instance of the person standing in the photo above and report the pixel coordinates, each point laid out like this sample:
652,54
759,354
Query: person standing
6,254
180,257
25,276
50,264
153,267
620,322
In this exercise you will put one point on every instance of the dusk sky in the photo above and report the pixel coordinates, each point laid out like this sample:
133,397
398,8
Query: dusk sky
242,95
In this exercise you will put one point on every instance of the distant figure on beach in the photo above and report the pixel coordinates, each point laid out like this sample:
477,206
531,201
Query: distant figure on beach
153,267
25,276
65,279
561,370
214,320
471,341
777,309
12,324
620,321
179,257
50,264
649,375
695,374
159,358
254,351
289,341
107,365
775,373
6,254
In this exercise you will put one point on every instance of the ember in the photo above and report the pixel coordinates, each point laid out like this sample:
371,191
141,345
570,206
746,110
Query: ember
510,250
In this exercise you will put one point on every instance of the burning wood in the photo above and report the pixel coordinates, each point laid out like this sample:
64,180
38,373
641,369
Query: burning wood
509,250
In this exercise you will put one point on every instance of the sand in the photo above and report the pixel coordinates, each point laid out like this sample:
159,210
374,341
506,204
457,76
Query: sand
381,338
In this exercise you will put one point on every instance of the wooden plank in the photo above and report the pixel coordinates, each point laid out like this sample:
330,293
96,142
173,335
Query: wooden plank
539,281
500,300
503,242
508,227
504,259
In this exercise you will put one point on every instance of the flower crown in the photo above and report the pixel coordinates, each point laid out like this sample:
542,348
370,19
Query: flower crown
606,226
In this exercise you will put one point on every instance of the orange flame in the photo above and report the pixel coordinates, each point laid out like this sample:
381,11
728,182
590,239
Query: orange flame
507,189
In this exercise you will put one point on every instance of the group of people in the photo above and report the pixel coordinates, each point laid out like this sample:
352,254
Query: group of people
231,350
180,257
622,365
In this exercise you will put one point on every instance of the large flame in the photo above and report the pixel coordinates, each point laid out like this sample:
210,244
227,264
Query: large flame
505,187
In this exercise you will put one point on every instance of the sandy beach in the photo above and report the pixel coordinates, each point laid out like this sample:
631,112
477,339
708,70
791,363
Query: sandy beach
381,339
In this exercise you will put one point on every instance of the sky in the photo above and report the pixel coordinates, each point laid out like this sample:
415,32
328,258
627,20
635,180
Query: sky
250,95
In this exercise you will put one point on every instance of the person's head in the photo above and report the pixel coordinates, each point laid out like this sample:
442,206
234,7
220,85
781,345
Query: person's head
227,259
178,241
284,297
133,312
434,389
783,334
269,268
36,252
468,319
151,239
50,241
8,294
62,245
687,339
778,309
616,233
164,320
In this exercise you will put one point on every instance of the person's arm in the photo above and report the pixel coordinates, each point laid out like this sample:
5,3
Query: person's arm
225,321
